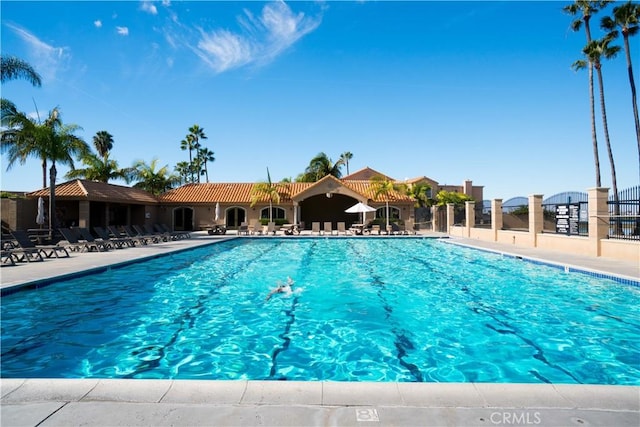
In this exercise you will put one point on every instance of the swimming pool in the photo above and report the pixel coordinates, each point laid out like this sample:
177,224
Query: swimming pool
362,310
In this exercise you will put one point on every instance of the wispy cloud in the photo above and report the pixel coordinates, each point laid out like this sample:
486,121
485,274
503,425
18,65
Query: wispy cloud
46,59
263,39
123,31
97,23
149,7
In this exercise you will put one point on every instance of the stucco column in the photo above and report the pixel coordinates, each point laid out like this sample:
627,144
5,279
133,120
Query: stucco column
470,217
496,217
434,218
450,217
598,218
536,217
84,213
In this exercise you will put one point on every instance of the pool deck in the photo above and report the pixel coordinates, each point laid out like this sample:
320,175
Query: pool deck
89,402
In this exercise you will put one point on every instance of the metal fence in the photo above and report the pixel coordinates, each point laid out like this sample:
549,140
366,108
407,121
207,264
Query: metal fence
624,214
566,213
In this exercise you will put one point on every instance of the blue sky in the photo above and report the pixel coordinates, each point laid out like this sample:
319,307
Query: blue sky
450,90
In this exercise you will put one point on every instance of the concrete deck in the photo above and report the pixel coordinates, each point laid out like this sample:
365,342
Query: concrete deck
65,402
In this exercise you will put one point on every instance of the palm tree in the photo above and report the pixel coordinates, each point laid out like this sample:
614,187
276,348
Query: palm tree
100,169
152,180
103,141
583,9
626,18
321,166
13,68
419,192
187,144
182,168
205,155
196,133
596,51
51,140
382,186
268,190
345,157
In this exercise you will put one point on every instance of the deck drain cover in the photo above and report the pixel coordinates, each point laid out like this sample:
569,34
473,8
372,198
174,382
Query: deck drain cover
368,414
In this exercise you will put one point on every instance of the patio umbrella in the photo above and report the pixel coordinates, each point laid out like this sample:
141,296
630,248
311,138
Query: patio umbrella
40,216
217,211
360,208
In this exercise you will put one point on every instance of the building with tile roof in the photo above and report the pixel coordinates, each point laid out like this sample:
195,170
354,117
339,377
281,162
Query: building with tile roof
87,203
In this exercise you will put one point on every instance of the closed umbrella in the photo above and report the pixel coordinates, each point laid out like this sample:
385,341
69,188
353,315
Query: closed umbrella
360,208
40,216
217,211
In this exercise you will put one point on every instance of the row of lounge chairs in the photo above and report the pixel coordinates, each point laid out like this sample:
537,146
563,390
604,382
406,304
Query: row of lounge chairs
20,248
327,229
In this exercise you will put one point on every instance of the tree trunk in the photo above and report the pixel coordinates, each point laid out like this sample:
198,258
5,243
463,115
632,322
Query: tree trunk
633,94
594,137
614,183
53,221
44,173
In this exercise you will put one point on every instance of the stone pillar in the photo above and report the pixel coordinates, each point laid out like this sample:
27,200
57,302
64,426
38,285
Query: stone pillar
598,218
536,217
434,218
450,217
470,216
496,217
84,213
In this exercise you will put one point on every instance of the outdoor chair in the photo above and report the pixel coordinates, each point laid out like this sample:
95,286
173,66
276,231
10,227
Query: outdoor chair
75,244
117,242
315,228
174,235
342,228
153,232
85,234
113,230
8,258
154,237
243,228
130,232
375,229
25,244
271,228
327,228
257,228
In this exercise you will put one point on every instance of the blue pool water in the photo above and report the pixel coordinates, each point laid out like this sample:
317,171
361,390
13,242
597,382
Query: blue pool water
362,310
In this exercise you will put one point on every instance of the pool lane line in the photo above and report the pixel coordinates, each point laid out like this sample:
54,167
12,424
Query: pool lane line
187,321
494,312
290,313
401,341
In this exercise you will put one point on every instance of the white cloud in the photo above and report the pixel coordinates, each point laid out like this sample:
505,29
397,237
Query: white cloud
46,59
149,7
97,23
223,50
264,38
123,31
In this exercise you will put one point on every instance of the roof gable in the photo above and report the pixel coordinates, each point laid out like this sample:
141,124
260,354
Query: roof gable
366,174
82,189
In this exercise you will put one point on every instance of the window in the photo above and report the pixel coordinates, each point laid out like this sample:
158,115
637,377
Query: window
276,213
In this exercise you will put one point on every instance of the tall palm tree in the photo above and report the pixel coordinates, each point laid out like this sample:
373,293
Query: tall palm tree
99,168
345,157
182,168
321,166
596,51
584,9
187,144
196,133
206,156
13,68
151,179
51,140
382,186
103,141
626,17
268,190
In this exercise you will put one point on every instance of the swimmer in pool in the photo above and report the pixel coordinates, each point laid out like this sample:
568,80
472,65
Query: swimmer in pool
282,288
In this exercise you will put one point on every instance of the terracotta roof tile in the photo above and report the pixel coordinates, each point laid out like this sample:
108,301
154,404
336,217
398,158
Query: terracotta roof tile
81,189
